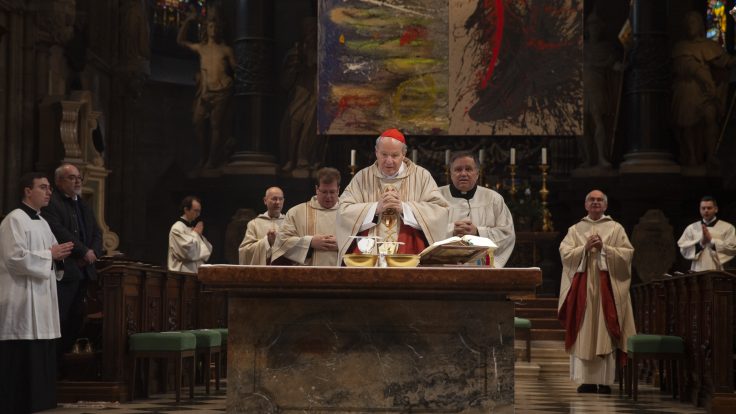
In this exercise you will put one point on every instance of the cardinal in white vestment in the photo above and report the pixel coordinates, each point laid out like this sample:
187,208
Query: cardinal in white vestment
393,199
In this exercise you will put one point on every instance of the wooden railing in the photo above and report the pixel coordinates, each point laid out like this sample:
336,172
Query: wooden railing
699,307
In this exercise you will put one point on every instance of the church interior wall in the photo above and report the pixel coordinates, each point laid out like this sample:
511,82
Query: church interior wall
151,147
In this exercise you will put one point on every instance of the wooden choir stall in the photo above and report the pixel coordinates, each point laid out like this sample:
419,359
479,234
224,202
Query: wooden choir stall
699,307
318,339
129,298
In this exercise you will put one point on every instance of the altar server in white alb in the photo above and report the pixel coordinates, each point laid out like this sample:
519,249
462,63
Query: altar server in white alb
708,243
31,262
260,234
475,210
188,248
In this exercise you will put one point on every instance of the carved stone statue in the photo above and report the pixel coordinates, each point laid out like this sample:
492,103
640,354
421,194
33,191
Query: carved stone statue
234,233
214,90
654,245
699,97
300,145
56,20
600,59
56,27
135,50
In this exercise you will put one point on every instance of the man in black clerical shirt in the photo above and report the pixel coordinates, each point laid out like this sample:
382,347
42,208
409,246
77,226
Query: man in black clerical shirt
475,210
71,219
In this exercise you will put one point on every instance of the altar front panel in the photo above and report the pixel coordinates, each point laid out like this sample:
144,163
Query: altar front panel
365,355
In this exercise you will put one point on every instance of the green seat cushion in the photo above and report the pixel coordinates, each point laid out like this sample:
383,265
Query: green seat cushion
223,334
522,323
646,343
162,341
206,338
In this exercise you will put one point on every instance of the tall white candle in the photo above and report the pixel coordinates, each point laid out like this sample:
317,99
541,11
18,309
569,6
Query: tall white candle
414,155
447,157
481,155
544,156
353,153
512,156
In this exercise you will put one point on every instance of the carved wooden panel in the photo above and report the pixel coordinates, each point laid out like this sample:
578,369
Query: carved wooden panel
700,309
172,299
723,333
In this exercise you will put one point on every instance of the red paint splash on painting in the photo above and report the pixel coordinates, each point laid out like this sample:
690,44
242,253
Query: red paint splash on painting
412,33
496,41
351,101
529,64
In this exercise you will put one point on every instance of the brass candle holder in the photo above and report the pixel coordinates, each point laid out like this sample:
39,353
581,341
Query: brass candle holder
447,174
512,172
547,224
353,168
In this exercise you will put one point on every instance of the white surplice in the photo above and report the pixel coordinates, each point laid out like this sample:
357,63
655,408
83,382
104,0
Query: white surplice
489,213
720,250
28,301
187,249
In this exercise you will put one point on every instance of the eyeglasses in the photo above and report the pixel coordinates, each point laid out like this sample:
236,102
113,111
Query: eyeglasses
73,178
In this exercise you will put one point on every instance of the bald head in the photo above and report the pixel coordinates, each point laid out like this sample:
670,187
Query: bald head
68,180
274,201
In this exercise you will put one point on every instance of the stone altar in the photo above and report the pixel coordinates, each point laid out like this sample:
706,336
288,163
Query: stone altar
378,340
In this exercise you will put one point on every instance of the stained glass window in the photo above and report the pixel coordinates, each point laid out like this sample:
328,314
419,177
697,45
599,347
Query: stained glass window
715,24
170,13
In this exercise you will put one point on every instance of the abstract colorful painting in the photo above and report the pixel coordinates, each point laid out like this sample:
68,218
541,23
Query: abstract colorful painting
516,67
459,67
383,64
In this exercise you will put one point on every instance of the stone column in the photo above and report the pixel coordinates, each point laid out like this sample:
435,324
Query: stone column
253,47
646,93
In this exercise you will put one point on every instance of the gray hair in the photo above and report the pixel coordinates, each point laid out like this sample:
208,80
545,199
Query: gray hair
605,197
403,147
59,171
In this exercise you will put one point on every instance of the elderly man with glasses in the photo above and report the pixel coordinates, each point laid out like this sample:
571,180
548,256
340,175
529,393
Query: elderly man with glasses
72,220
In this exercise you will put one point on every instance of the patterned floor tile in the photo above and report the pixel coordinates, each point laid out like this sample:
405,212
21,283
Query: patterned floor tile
554,395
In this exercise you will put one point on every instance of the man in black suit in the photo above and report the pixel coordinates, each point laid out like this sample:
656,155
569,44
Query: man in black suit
72,220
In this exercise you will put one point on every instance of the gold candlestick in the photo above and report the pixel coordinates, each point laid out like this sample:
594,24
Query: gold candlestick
447,174
481,179
512,171
547,224
352,170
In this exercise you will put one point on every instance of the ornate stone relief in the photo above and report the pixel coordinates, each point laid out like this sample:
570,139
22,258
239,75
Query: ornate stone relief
55,20
78,125
653,241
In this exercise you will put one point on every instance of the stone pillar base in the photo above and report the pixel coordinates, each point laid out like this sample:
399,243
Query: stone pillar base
648,162
251,163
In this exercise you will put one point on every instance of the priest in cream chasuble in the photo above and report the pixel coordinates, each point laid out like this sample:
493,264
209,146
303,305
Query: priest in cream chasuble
260,233
393,199
307,236
594,305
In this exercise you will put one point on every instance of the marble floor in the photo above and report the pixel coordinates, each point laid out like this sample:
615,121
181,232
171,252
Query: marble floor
555,395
